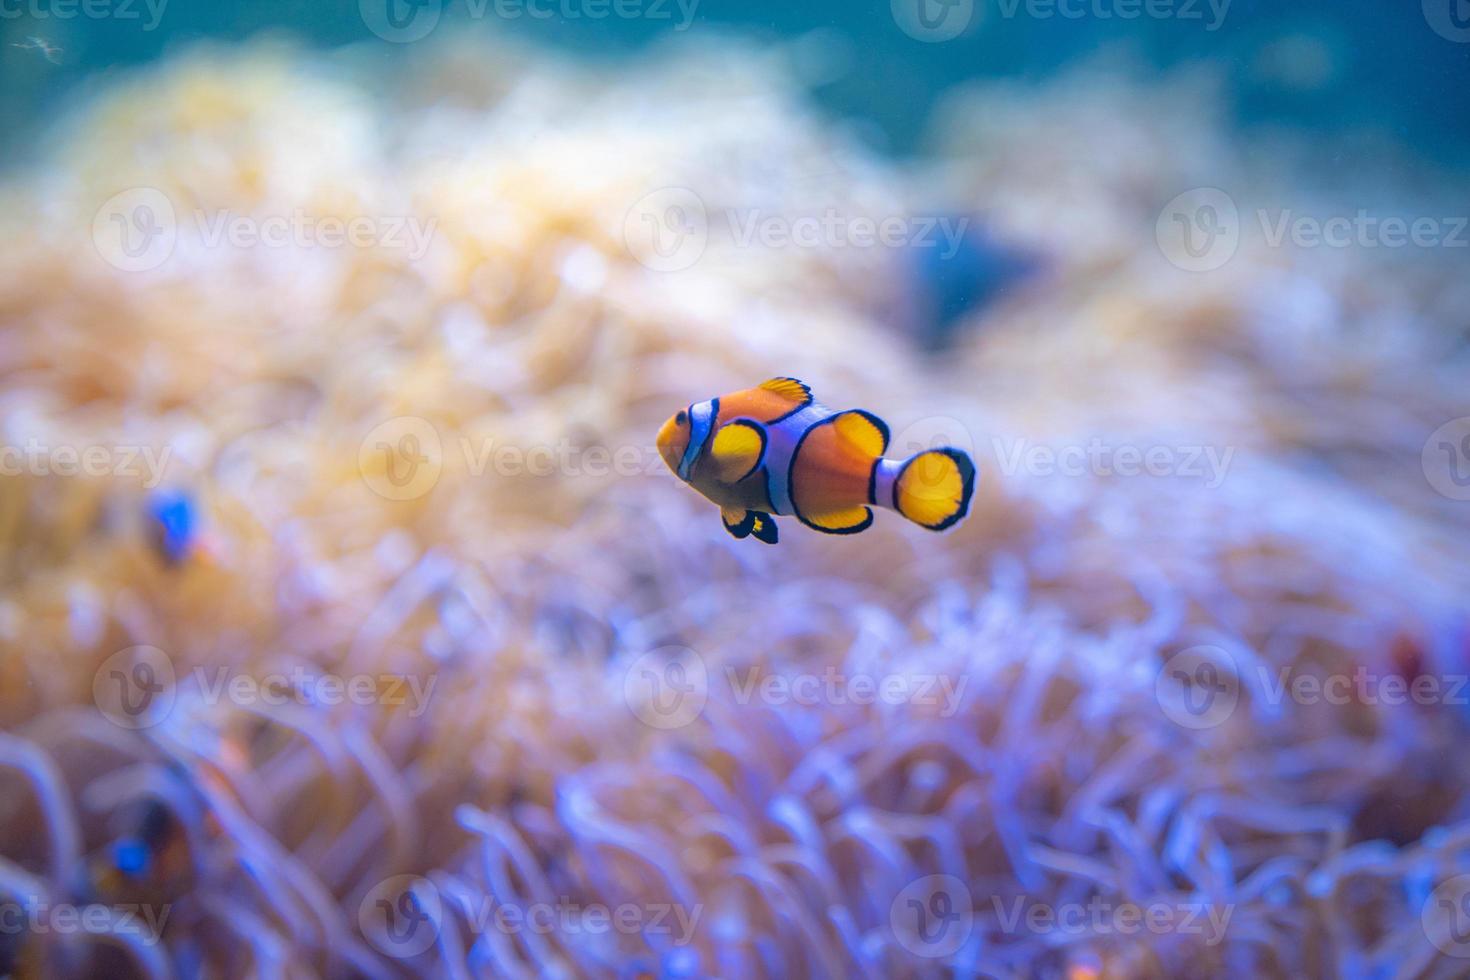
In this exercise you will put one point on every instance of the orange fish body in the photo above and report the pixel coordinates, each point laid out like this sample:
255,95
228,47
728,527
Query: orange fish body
774,450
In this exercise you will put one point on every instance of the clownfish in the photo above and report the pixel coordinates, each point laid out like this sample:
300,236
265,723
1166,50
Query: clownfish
153,853
774,449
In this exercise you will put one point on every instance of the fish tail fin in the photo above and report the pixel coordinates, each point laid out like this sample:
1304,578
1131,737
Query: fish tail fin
932,488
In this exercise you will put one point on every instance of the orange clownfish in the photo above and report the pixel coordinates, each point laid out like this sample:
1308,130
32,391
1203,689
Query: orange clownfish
774,449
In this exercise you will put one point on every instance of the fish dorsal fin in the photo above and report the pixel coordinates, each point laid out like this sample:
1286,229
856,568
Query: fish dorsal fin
737,449
864,432
796,392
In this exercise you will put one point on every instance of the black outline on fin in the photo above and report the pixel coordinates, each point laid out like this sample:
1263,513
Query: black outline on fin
878,424
967,489
791,484
743,529
806,388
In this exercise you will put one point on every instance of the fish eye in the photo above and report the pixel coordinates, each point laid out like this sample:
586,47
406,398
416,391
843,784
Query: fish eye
681,418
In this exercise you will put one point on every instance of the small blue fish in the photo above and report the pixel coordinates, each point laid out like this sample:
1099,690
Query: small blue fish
173,524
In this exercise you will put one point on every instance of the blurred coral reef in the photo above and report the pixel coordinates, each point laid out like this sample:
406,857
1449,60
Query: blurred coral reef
786,833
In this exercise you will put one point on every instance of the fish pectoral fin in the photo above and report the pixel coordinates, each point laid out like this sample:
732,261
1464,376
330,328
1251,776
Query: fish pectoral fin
848,521
790,389
750,523
863,431
737,450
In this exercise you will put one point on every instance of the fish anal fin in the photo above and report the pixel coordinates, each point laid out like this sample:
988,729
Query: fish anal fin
848,521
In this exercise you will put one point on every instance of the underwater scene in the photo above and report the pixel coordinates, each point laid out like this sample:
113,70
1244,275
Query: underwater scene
694,489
